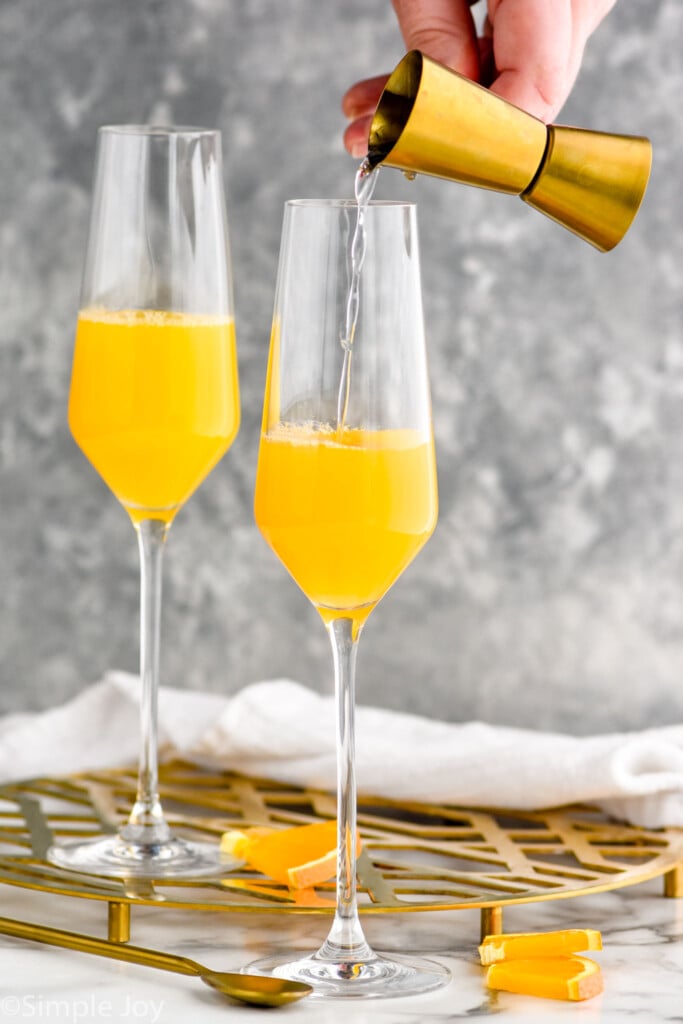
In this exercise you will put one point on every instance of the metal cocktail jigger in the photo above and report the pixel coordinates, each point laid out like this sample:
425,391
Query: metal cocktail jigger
434,121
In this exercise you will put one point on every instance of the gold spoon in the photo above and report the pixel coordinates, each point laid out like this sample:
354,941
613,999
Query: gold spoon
247,988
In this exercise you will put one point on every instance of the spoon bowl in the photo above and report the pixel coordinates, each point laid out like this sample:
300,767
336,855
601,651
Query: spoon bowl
256,989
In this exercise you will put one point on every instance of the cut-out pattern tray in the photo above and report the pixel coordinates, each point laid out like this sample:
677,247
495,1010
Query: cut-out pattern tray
415,856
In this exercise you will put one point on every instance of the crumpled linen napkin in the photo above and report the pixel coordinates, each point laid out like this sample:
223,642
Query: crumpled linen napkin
281,730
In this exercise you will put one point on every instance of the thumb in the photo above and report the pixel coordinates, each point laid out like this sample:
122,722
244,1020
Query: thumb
443,29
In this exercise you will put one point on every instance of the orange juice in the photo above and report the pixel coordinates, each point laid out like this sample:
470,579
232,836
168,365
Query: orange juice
154,403
345,514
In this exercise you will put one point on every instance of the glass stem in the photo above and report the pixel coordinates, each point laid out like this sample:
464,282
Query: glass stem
345,941
146,823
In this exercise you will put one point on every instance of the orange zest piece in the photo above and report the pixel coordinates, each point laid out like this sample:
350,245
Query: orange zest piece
236,843
299,857
562,977
531,945
306,876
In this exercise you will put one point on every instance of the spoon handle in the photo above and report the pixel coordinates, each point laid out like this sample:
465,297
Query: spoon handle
101,947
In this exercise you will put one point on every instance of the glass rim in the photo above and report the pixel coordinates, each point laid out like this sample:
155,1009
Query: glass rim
340,204
155,129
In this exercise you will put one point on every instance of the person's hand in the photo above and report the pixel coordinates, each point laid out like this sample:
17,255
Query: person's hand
530,53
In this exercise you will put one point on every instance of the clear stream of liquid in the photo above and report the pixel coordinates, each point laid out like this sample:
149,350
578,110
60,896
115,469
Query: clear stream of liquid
364,186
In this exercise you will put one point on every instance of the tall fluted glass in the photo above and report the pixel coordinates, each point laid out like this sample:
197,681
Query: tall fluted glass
346,493
154,403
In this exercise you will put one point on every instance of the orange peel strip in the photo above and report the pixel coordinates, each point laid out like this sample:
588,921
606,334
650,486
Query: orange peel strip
299,857
236,843
531,945
571,978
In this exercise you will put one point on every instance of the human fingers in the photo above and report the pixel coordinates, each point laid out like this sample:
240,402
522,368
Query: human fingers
538,47
443,30
356,136
359,104
533,52
591,12
363,96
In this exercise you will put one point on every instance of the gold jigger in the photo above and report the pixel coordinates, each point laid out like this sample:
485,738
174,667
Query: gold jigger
434,121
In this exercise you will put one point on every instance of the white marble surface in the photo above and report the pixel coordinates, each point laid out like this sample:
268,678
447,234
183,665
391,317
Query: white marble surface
642,962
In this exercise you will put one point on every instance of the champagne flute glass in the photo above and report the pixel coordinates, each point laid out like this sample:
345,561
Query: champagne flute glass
346,493
154,403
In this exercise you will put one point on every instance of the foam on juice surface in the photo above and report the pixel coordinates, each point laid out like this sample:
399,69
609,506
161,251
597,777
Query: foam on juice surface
150,317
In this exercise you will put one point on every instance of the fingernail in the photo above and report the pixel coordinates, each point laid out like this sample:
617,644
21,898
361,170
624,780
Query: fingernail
359,149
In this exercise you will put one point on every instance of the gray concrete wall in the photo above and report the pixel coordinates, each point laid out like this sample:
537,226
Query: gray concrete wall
552,591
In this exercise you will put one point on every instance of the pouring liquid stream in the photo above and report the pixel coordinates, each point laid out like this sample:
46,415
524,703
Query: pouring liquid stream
364,186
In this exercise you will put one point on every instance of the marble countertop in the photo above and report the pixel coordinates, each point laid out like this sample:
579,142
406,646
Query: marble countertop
642,962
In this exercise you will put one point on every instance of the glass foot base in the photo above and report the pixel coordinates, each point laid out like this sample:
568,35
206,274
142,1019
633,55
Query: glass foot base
377,977
114,855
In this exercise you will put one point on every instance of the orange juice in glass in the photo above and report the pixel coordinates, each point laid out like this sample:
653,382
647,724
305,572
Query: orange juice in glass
154,403
345,513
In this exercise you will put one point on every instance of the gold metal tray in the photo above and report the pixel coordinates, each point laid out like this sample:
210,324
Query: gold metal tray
415,856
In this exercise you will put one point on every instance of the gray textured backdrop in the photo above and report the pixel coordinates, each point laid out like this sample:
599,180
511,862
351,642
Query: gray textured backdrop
552,591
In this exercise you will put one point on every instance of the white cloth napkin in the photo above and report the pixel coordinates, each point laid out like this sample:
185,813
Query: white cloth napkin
283,731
